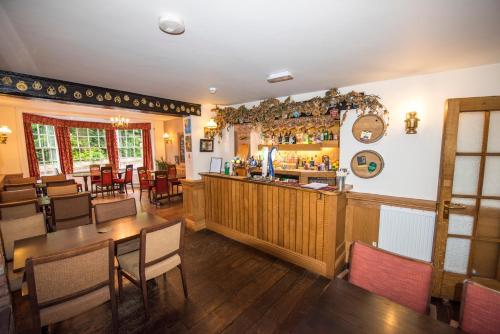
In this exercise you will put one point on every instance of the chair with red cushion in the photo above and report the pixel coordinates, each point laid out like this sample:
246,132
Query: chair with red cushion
401,279
172,179
480,309
127,179
106,183
144,181
161,187
95,176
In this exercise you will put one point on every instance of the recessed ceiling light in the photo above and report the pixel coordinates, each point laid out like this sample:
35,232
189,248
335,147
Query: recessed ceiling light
280,76
171,24
212,90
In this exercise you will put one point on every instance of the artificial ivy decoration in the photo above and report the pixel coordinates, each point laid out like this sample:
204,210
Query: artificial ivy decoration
318,112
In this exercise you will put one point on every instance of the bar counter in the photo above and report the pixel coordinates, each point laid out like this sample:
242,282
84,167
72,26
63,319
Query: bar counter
299,225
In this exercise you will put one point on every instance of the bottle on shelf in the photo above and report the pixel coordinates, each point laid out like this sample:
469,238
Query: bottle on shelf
330,135
280,139
287,138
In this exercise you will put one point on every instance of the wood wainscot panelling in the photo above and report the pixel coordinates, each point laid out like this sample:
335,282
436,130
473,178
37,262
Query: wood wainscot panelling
193,203
301,226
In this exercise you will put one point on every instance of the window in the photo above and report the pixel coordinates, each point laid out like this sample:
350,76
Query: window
130,148
88,147
46,148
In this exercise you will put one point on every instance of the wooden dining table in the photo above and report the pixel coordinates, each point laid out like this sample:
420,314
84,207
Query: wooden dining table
346,308
120,230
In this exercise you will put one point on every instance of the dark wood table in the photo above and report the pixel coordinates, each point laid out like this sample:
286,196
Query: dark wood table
346,308
85,176
120,230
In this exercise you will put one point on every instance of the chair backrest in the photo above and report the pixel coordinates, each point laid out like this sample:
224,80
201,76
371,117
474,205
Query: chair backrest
58,283
17,180
114,210
95,172
52,178
19,186
18,195
21,228
62,190
172,171
106,176
129,171
60,183
14,210
71,210
143,175
401,279
480,309
161,182
160,242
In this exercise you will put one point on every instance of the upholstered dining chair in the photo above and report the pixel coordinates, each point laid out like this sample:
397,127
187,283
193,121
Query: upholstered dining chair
17,195
53,178
69,283
95,176
20,209
173,180
17,229
127,179
62,190
144,183
161,250
20,180
106,183
161,187
70,211
105,212
19,186
479,309
401,279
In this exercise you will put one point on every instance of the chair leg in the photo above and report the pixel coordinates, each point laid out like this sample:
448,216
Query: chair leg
144,289
120,283
140,195
132,185
125,186
183,277
114,312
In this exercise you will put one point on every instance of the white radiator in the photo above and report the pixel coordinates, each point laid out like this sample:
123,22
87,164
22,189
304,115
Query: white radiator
408,232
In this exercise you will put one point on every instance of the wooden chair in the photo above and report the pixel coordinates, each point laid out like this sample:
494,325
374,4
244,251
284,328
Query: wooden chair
398,278
69,283
53,178
21,209
161,250
64,183
18,180
144,183
161,187
19,186
62,190
70,211
105,212
17,195
17,229
127,179
106,182
173,180
95,176
479,309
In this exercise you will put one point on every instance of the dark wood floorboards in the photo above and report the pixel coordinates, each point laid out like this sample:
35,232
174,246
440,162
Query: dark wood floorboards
232,289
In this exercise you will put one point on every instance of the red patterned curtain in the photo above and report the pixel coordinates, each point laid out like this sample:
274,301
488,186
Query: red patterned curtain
112,147
30,149
147,151
65,153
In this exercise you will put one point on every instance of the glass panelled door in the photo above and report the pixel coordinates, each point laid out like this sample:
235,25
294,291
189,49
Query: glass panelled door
468,233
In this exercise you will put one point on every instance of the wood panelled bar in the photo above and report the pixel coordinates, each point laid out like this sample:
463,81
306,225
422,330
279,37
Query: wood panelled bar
302,226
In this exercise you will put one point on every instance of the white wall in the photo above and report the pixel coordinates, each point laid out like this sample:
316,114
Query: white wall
411,161
196,161
174,128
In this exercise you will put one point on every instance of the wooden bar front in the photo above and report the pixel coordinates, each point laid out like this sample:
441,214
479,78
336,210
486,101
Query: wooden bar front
298,225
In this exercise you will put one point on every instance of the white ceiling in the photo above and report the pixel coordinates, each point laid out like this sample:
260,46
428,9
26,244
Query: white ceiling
234,45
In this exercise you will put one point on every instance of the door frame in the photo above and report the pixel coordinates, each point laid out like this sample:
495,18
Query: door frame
445,284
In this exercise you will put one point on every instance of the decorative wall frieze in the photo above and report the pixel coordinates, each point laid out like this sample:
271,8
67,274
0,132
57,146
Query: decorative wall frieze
19,84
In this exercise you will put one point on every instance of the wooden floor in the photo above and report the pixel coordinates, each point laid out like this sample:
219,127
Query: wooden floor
232,289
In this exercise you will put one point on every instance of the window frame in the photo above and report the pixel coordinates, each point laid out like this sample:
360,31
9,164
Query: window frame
53,150
79,138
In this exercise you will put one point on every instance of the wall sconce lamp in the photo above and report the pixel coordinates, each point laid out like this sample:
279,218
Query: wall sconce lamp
210,128
411,123
167,138
4,133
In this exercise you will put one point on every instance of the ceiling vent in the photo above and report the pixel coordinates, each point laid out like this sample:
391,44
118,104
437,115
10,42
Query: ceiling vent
278,77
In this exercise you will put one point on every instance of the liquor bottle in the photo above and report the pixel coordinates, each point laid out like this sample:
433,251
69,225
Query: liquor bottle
305,138
287,138
280,139
325,135
330,135
293,139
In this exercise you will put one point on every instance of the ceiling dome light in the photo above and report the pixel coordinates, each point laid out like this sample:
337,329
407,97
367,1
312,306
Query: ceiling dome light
171,24
212,90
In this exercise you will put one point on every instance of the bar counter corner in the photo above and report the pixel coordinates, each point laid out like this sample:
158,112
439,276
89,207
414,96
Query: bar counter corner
302,226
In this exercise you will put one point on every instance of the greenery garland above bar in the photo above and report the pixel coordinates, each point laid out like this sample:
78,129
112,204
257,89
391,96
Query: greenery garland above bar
19,84
317,113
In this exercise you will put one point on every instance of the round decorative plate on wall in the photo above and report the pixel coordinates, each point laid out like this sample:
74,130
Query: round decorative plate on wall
368,128
367,164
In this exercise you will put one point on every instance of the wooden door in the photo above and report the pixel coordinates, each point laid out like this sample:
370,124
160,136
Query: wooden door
468,230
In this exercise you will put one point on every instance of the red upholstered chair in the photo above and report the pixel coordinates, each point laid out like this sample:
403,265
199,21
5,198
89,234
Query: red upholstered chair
106,183
160,189
95,176
480,309
401,279
144,181
127,179
172,179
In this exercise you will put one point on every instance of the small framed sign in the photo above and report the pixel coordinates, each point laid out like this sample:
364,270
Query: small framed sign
206,145
215,165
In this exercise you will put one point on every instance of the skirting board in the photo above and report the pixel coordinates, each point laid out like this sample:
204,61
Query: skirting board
300,260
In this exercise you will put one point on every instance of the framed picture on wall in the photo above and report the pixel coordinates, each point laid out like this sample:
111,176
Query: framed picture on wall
189,144
206,145
176,159
187,126
182,151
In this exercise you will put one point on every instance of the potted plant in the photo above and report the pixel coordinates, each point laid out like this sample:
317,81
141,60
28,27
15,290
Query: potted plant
161,164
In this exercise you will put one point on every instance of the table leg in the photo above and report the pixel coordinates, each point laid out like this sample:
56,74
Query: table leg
85,179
